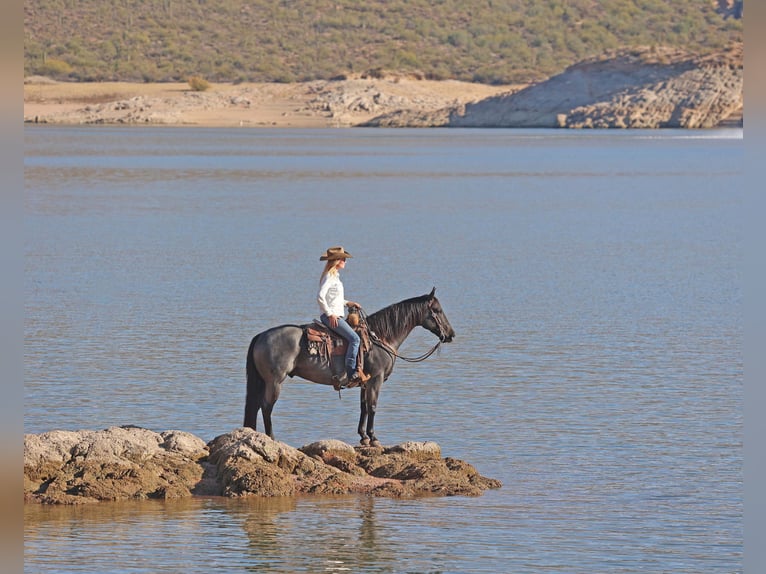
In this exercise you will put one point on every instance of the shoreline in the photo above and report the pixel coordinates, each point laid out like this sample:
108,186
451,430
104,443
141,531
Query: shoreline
317,104
395,101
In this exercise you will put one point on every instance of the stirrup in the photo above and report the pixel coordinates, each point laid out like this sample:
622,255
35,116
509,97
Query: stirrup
353,382
338,384
359,379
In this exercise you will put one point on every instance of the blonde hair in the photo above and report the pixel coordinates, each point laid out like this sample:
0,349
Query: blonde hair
330,268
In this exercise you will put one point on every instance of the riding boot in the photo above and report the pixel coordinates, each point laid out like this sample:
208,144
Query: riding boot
354,380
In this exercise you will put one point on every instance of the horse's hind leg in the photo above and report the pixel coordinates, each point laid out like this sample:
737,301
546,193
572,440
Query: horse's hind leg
253,399
255,389
251,413
261,395
267,420
271,391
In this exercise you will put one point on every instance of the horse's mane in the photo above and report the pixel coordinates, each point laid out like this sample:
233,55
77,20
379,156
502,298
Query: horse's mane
391,321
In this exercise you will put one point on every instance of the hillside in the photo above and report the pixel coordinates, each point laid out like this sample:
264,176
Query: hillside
488,41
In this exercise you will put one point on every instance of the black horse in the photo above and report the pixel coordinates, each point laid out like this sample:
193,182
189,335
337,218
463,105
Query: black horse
283,351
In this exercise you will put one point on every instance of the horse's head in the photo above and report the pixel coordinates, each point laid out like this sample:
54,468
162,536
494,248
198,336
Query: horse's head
436,321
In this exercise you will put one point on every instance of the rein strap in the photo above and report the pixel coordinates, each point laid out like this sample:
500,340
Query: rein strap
388,348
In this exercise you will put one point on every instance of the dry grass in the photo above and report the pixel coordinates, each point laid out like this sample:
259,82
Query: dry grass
95,92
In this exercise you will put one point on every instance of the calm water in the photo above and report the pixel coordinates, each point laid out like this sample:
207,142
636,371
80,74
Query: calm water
593,279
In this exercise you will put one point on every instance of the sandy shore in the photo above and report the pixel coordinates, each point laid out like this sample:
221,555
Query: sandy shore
303,105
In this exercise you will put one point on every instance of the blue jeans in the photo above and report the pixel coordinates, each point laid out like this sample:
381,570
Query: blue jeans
344,330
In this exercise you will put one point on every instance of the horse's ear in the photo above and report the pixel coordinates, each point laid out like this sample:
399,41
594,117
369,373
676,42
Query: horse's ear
433,293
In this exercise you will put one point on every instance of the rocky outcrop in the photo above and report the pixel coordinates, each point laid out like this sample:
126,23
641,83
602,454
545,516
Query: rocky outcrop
643,89
65,467
650,88
117,463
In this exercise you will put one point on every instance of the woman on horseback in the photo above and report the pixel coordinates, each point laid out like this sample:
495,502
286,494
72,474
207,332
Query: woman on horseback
332,305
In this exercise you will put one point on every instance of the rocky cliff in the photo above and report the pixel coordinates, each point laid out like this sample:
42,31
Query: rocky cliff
120,463
649,88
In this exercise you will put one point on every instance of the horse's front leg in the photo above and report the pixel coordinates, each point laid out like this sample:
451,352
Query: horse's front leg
370,400
362,419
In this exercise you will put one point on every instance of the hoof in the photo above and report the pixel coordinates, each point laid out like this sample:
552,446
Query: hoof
375,442
365,441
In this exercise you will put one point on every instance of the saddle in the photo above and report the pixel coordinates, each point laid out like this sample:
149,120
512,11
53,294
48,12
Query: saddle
327,344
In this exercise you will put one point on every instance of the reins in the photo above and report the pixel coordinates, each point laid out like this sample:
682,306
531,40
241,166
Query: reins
389,349
393,352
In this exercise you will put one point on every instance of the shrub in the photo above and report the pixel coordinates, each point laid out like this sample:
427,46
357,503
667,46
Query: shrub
198,84
54,68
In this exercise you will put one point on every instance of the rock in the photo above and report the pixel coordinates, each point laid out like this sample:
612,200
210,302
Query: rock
412,119
418,450
250,463
118,463
335,447
113,464
650,88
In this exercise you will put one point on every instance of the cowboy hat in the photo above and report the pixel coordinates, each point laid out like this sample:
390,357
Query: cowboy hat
334,253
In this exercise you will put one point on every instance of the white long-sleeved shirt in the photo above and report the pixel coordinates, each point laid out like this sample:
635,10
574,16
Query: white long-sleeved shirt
330,297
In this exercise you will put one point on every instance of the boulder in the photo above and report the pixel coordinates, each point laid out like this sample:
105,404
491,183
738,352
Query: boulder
118,463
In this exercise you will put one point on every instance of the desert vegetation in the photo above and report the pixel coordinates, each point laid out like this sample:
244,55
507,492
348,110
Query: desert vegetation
487,41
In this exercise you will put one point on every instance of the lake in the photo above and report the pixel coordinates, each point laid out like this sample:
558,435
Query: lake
594,280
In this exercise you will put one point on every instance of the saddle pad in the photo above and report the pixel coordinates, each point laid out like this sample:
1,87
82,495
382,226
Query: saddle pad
335,344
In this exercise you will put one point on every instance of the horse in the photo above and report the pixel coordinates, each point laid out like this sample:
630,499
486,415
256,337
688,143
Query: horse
282,351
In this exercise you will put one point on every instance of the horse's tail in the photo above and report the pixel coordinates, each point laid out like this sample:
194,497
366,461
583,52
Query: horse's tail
255,388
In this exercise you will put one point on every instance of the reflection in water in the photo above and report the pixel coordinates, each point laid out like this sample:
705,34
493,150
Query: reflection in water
367,538
333,534
177,535
267,534
258,534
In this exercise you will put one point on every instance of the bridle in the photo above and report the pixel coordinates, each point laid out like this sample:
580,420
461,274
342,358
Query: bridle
442,335
393,352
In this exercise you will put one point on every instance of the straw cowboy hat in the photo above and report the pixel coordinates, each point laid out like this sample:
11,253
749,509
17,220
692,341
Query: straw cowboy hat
334,253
